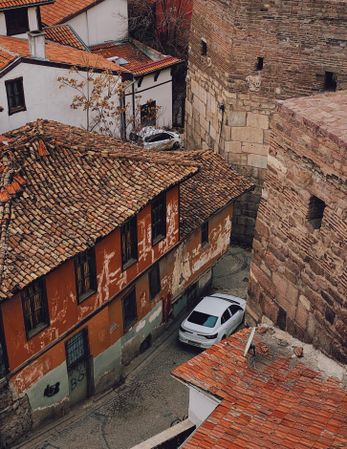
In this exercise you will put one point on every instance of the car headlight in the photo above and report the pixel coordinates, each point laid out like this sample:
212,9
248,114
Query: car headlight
211,337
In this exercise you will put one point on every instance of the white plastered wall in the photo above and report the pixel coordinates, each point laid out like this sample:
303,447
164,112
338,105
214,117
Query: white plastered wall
201,405
107,21
43,97
159,90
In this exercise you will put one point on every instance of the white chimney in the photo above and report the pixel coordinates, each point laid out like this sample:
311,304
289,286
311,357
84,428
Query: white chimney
37,44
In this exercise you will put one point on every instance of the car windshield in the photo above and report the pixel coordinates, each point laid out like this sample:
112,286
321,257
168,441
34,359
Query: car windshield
202,319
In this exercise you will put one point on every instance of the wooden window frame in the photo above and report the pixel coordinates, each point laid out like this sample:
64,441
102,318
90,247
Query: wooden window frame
9,85
159,227
204,233
148,113
12,15
154,281
27,295
129,296
89,257
129,229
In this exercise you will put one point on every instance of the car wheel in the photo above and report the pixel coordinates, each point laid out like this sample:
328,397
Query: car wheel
176,146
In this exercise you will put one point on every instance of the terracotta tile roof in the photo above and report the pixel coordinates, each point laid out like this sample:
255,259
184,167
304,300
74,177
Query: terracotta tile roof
271,401
12,48
65,35
10,4
138,62
62,188
62,10
214,186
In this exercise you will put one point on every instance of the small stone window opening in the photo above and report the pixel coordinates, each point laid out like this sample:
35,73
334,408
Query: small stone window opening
203,47
204,233
330,82
260,63
315,212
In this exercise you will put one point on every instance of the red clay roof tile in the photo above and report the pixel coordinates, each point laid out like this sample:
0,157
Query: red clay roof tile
272,402
10,4
62,10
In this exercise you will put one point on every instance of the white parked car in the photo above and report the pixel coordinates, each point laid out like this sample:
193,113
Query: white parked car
157,139
214,318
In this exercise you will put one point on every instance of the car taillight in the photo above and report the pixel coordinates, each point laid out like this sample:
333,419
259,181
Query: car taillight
211,337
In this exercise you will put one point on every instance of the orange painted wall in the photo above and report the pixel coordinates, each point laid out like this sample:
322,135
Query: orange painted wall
64,311
106,327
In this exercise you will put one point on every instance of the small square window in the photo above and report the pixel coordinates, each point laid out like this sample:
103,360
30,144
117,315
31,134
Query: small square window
260,64
129,242
15,95
35,307
159,219
204,233
129,309
154,281
85,274
203,47
315,212
330,82
17,21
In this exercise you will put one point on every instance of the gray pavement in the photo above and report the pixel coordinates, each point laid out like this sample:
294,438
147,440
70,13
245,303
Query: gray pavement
150,399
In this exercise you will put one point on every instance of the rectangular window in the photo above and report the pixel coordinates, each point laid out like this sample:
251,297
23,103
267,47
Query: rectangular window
260,64
129,309
3,354
149,113
129,242
330,82
35,307
77,349
154,280
85,270
17,21
204,233
203,47
158,218
315,212
15,95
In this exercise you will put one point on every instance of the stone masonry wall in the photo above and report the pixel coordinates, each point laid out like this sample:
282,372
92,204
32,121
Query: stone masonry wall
298,275
15,416
229,101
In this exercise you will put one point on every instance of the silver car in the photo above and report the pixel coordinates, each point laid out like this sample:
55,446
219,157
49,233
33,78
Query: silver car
214,318
157,139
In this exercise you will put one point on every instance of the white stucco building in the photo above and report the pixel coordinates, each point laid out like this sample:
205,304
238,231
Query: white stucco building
90,34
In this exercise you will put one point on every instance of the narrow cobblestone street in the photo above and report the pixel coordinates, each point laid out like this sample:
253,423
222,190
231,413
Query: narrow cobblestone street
150,399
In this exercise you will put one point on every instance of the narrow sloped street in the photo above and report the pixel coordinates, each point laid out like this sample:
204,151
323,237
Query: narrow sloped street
150,399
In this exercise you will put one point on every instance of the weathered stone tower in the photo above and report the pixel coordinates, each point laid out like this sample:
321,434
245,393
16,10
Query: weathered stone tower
244,55
298,275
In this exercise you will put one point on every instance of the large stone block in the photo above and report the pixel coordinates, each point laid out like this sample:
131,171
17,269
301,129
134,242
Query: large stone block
247,134
254,160
255,148
237,118
257,120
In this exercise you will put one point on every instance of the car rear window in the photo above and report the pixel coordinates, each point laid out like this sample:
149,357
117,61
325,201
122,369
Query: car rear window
202,319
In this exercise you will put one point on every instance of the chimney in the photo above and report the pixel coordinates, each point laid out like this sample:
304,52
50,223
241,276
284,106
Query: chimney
37,44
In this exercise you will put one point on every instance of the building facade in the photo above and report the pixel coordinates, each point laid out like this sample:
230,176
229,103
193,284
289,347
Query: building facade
121,241
243,56
298,274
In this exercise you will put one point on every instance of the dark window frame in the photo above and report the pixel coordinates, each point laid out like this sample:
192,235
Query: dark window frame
148,113
27,296
3,355
330,82
315,213
204,233
85,345
129,247
132,317
259,64
89,257
203,47
154,281
17,21
10,86
159,227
